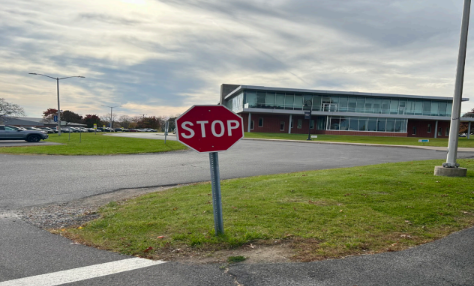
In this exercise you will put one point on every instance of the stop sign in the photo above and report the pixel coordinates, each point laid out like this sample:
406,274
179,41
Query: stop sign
209,128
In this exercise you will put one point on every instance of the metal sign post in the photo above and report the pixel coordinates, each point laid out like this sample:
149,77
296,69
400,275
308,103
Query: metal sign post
216,193
166,129
210,129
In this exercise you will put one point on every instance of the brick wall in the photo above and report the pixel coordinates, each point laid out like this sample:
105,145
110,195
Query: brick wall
271,124
363,133
422,128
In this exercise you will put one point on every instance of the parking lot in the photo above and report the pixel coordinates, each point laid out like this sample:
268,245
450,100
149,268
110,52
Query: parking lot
21,143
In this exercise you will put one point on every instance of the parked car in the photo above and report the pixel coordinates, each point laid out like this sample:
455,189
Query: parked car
14,133
47,129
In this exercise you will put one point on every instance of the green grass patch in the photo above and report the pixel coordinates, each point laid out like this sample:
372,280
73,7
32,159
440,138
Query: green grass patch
439,142
235,259
320,214
96,144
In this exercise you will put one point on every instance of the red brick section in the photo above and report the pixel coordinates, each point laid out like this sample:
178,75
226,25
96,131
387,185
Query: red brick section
422,128
363,133
271,124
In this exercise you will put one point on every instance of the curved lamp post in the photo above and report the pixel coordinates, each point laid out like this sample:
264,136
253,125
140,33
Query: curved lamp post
57,84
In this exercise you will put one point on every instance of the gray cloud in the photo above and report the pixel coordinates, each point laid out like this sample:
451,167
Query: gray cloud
178,53
109,19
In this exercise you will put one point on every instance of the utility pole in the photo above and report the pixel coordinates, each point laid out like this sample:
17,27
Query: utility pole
111,118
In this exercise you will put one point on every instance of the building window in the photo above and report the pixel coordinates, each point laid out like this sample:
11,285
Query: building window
300,124
447,132
429,128
414,130
251,125
311,124
282,125
440,131
260,122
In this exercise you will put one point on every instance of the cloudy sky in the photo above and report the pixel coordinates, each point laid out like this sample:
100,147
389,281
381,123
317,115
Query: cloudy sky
160,57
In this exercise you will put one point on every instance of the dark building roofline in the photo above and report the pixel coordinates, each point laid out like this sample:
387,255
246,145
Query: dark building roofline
254,87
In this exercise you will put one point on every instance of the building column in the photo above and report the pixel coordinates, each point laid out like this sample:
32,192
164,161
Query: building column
469,130
250,122
289,125
436,130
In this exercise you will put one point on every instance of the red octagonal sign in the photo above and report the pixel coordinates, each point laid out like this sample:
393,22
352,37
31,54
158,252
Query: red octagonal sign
209,128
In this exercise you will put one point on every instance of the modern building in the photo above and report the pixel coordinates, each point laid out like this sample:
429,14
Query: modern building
270,109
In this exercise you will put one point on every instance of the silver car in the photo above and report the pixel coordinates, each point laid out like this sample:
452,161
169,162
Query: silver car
15,133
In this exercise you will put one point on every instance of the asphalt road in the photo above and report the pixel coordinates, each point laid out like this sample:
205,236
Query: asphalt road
26,251
36,180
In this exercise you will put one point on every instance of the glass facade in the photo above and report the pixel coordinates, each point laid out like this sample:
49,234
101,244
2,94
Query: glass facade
341,103
236,103
350,123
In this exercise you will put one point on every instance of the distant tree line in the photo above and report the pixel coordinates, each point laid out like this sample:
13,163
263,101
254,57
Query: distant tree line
118,121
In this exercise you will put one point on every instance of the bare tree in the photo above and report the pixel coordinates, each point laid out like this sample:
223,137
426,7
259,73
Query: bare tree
125,121
9,110
105,119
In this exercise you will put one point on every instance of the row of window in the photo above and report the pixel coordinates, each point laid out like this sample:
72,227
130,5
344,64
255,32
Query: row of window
339,123
362,124
340,103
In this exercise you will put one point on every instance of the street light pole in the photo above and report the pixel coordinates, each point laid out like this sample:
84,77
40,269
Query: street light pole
451,168
57,86
456,111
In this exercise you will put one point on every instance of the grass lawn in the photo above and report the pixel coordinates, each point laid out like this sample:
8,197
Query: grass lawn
321,214
92,144
440,142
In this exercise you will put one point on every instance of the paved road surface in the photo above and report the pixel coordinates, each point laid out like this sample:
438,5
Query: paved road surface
26,251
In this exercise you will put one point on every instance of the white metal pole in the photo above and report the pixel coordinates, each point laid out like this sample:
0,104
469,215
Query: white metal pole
59,109
249,123
111,119
469,130
291,120
456,111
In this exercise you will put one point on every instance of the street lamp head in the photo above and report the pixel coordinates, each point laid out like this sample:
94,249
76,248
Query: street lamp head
33,73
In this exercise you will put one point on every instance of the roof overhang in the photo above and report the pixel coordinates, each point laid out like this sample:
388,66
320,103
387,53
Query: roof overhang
311,91
351,114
